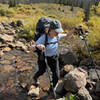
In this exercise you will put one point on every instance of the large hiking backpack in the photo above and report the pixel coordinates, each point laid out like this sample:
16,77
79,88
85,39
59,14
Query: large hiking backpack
43,23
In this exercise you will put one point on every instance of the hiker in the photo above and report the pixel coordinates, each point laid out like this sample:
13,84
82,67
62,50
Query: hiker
54,34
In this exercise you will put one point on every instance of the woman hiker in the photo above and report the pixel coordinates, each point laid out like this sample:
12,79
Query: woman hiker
55,33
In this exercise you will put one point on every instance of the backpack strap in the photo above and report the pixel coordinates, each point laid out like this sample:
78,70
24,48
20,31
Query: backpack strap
52,42
46,40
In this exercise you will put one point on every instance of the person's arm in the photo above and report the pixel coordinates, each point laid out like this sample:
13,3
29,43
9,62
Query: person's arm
72,31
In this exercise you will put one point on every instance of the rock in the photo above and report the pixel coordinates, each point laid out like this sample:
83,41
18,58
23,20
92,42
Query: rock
85,62
66,56
75,79
5,62
11,45
45,82
1,53
13,24
84,94
21,45
10,32
90,86
25,68
60,87
6,38
5,24
7,68
66,69
33,91
23,85
1,27
98,89
93,75
20,22
8,57
6,49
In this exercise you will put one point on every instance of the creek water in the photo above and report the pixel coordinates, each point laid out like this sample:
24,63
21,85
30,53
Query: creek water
11,74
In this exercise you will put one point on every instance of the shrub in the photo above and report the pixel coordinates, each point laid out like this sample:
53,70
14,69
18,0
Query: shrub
6,12
95,10
69,23
94,34
29,29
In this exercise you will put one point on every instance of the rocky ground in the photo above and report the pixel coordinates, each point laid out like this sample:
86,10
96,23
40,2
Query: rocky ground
18,66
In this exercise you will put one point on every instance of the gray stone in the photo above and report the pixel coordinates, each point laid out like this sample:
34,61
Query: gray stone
84,94
74,80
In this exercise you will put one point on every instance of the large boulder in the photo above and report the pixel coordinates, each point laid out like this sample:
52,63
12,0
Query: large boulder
75,79
67,56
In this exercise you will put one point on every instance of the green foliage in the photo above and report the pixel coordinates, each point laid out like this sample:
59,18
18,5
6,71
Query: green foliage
1,5
52,16
69,23
29,29
95,10
94,33
7,12
72,97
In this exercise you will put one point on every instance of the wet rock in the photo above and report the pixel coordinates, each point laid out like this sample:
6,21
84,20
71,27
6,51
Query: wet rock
75,79
84,94
11,96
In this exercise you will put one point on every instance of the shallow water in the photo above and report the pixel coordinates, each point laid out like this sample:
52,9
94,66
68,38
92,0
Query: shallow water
10,76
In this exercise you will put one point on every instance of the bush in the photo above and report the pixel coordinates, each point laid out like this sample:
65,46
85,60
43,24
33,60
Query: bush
29,29
95,10
6,12
94,33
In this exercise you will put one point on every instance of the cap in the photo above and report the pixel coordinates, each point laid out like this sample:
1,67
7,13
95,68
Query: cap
56,25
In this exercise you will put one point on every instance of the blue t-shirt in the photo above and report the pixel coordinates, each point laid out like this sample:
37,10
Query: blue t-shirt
51,49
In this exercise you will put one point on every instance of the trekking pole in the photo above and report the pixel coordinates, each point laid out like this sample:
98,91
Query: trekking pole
89,52
50,78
